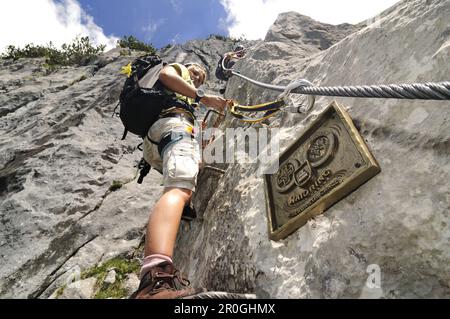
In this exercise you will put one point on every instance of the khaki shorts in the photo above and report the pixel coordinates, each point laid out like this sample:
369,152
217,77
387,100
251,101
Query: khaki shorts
180,160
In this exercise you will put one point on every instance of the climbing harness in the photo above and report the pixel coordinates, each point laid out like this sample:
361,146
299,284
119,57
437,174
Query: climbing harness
270,108
421,91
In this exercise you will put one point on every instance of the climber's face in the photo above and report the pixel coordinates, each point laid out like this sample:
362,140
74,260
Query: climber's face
197,75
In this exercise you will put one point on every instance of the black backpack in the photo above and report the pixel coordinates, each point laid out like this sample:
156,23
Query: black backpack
140,106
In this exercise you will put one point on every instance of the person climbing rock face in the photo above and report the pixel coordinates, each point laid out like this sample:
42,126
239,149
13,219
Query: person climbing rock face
171,148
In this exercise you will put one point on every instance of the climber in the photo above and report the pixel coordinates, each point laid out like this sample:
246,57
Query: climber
170,147
228,61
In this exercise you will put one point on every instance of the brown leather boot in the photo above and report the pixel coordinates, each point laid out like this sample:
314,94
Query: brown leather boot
164,282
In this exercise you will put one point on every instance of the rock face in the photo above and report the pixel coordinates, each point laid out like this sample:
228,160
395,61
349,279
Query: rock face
395,226
300,30
83,289
60,152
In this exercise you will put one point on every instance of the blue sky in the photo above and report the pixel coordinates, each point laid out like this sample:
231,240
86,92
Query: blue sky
163,22
158,21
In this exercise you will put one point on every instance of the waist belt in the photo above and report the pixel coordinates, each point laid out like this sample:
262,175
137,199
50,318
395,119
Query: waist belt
182,116
170,138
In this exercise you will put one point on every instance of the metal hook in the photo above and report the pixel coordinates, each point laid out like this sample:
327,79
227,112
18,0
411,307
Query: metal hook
293,85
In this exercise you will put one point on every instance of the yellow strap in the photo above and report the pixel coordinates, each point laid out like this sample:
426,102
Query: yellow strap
251,107
239,115
258,120
184,72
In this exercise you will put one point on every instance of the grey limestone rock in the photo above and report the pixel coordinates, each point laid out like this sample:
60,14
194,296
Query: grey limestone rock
60,152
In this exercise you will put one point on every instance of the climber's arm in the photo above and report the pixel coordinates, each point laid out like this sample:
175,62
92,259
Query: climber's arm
174,82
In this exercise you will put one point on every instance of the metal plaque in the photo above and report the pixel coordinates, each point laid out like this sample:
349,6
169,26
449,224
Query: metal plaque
326,163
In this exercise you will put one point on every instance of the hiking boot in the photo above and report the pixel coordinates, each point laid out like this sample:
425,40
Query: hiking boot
164,282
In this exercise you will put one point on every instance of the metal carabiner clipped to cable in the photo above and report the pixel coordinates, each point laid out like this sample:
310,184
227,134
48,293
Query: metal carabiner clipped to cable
292,86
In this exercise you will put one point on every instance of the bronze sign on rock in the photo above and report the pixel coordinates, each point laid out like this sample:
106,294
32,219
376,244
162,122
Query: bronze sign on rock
326,163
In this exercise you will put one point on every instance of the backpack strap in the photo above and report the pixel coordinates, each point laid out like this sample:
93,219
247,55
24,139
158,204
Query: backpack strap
136,80
115,109
125,132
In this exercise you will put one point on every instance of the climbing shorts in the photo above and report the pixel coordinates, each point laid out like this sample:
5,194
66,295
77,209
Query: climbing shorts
180,159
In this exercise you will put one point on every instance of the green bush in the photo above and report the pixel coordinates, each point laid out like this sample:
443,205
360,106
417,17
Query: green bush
227,38
81,50
132,43
76,53
167,47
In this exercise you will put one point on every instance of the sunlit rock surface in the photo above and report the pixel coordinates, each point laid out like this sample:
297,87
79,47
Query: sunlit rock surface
61,151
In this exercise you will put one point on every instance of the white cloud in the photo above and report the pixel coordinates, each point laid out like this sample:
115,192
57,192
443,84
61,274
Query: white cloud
253,18
152,27
176,5
42,21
